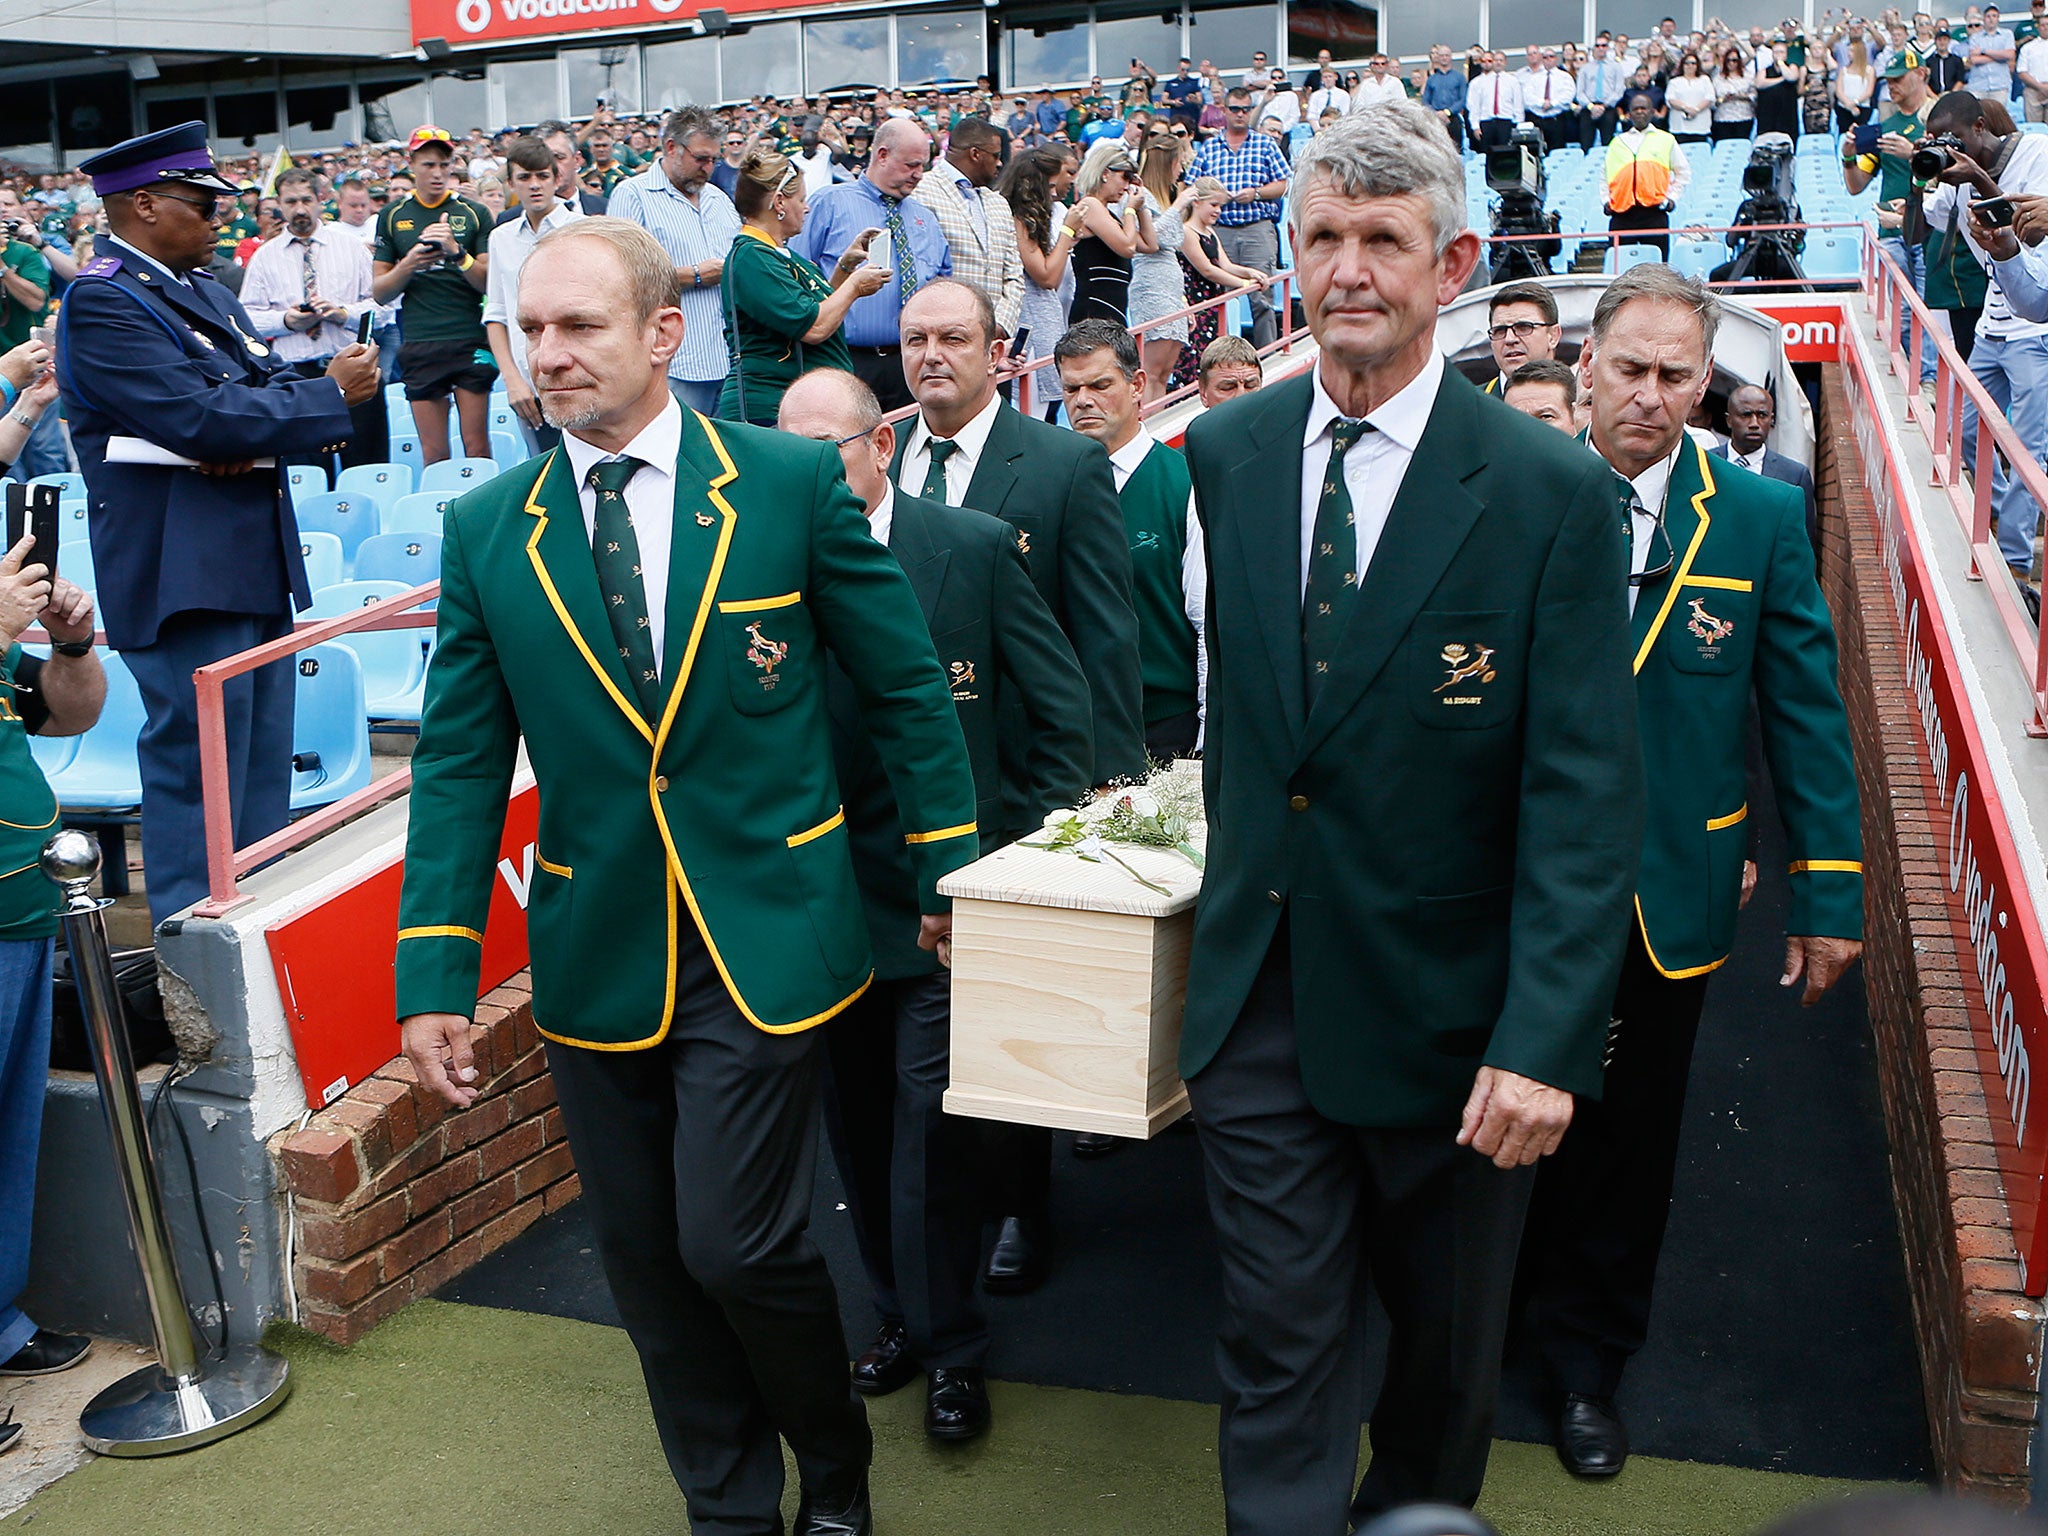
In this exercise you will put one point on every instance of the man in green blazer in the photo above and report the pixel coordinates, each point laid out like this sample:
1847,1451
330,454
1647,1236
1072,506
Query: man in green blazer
1725,606
968,448
908,1167
1424,804
651,607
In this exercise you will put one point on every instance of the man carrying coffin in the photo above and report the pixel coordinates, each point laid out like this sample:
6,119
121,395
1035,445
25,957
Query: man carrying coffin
1424,812
909,1168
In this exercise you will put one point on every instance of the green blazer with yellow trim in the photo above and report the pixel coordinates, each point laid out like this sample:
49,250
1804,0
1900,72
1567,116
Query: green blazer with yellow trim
1741,611
724,812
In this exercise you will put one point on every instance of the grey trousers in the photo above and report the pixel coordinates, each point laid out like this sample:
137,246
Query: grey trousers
1256,245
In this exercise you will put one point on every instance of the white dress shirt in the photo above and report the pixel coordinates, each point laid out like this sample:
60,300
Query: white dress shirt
1494,94
1283,105
1753,462
1650,488
972,440
883,518
510,244
1376,464
365,231
275,285
650,504
1193,567
1377,91
1323,98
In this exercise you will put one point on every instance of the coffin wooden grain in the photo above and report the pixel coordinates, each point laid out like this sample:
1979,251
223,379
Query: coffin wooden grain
1068,984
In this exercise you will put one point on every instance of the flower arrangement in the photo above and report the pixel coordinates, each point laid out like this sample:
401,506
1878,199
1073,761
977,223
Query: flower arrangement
1162,813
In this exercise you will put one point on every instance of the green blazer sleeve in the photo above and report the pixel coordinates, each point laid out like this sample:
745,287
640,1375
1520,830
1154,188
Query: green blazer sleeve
870,621
1580,749
1806,738
462,775
765,290
1100,618
1039,665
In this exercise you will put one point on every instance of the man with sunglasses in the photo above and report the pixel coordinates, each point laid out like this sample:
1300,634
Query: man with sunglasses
1254,174
1521,326
1725,603
196,563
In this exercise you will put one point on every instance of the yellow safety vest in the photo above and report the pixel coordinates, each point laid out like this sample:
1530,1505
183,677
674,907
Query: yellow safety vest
1639,178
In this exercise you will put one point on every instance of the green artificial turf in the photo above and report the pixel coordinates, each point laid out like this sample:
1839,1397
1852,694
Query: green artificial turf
465,1421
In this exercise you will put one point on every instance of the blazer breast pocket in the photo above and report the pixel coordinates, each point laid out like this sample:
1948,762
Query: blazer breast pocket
963,655
1463,671
771,651
1711,630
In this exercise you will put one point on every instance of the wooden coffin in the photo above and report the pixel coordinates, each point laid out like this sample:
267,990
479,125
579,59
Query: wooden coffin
1068,982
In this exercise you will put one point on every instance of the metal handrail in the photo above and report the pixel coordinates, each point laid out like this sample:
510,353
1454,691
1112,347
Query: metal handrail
1941,424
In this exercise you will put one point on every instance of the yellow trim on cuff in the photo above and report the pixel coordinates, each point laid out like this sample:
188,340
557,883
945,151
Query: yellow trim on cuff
551,867
835,819
757,604
1725,583
1729,820
1821,866
443,932
941,835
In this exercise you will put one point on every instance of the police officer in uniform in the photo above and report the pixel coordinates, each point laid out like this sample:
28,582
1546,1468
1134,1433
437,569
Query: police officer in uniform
198,562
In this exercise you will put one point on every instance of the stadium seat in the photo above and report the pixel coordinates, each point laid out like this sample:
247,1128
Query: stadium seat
457,475
71,518
386,482
405,450
305,480
325,563
1622,257
351,516
104,773
394,670
1833,256
69,484
507,448
74,564
53,754
410,559
330,727
421,512
502,419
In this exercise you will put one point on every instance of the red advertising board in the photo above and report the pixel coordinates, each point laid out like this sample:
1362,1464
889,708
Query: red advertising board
1812,329
494,21
1998,931
334,961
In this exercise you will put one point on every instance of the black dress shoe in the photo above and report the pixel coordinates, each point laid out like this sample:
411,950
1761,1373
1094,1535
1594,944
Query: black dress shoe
1591,1440
887,1365
10,1432
1093,1144
46,1353
817,1515
1020,1259
956,1403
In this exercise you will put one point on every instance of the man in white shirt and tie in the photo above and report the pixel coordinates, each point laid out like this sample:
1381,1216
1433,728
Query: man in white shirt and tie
1601,81
1549,95
1494,105
1751,415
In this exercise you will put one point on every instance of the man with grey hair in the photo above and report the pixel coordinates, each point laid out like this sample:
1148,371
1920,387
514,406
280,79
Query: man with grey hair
675,201
1724,606
1424,807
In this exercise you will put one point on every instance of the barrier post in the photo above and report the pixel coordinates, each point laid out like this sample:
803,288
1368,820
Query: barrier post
184,1401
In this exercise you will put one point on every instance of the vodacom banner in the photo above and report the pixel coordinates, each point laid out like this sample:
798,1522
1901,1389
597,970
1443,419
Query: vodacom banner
486,21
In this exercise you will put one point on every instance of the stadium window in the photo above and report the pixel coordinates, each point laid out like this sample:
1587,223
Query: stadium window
940,45
315,116
762,61
614,70
1348,29
1132,29
1515,24
169,111
531,89
1228,35
1045,45
460,105
681,74
839,53
247,118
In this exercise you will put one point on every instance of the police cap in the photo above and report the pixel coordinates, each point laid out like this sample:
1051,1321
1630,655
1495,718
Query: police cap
155,159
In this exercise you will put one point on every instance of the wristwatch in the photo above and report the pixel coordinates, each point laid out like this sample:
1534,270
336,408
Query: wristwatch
73,648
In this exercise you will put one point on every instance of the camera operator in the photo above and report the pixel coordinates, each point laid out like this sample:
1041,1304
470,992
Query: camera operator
1646,175
1767,253
1881,151
1973,163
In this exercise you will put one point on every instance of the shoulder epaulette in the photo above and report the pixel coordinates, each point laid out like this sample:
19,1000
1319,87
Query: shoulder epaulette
101,266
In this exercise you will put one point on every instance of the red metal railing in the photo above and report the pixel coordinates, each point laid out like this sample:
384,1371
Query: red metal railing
1889,292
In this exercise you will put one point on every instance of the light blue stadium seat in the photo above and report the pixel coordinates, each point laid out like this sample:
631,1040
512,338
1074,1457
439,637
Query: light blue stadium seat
350,515
405,449
502,419
330,727
421,512
53,754
69,484
1625,256
386,482
104,773
1833,255
410,559
394,669
71,517
325,562
305,480
74,564
457,475
507,448
1696,258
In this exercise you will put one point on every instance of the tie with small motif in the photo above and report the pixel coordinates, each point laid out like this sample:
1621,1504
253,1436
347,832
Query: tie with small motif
306,276
618,579
899,245
1332,561
941,449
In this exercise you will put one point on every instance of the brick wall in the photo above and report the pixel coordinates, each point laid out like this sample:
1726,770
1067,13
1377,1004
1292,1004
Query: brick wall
396,1193
1977,1334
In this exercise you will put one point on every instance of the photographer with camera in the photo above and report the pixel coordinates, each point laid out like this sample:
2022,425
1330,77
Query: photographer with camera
1646,174
1972,166
1881,152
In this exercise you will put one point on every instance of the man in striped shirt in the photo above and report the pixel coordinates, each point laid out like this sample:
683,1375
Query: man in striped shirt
674,201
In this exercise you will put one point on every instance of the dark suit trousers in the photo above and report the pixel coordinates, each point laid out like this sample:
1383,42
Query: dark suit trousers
1310,1212
1633,220
697,1158
908,1166
1174,737
258,717
1597,1222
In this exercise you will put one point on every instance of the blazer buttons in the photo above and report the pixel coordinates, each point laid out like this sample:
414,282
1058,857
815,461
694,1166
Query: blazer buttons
1273,897
1298,803
660,784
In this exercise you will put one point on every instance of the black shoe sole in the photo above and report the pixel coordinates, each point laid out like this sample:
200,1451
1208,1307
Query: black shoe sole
1593,1474
50,1370
955,1436
886,1388
10,1436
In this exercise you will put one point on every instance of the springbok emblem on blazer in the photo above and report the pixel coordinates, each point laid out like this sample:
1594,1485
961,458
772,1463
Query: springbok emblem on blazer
1712,631
765,653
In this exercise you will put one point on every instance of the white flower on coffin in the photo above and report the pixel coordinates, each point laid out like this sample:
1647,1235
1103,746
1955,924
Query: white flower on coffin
1142,804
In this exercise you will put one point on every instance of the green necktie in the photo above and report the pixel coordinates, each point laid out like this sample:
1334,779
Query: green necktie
618,579
941,449
899,245
1332,561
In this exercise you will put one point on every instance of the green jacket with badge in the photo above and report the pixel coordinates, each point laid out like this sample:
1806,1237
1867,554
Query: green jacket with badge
1002,649
1741,611
724,813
